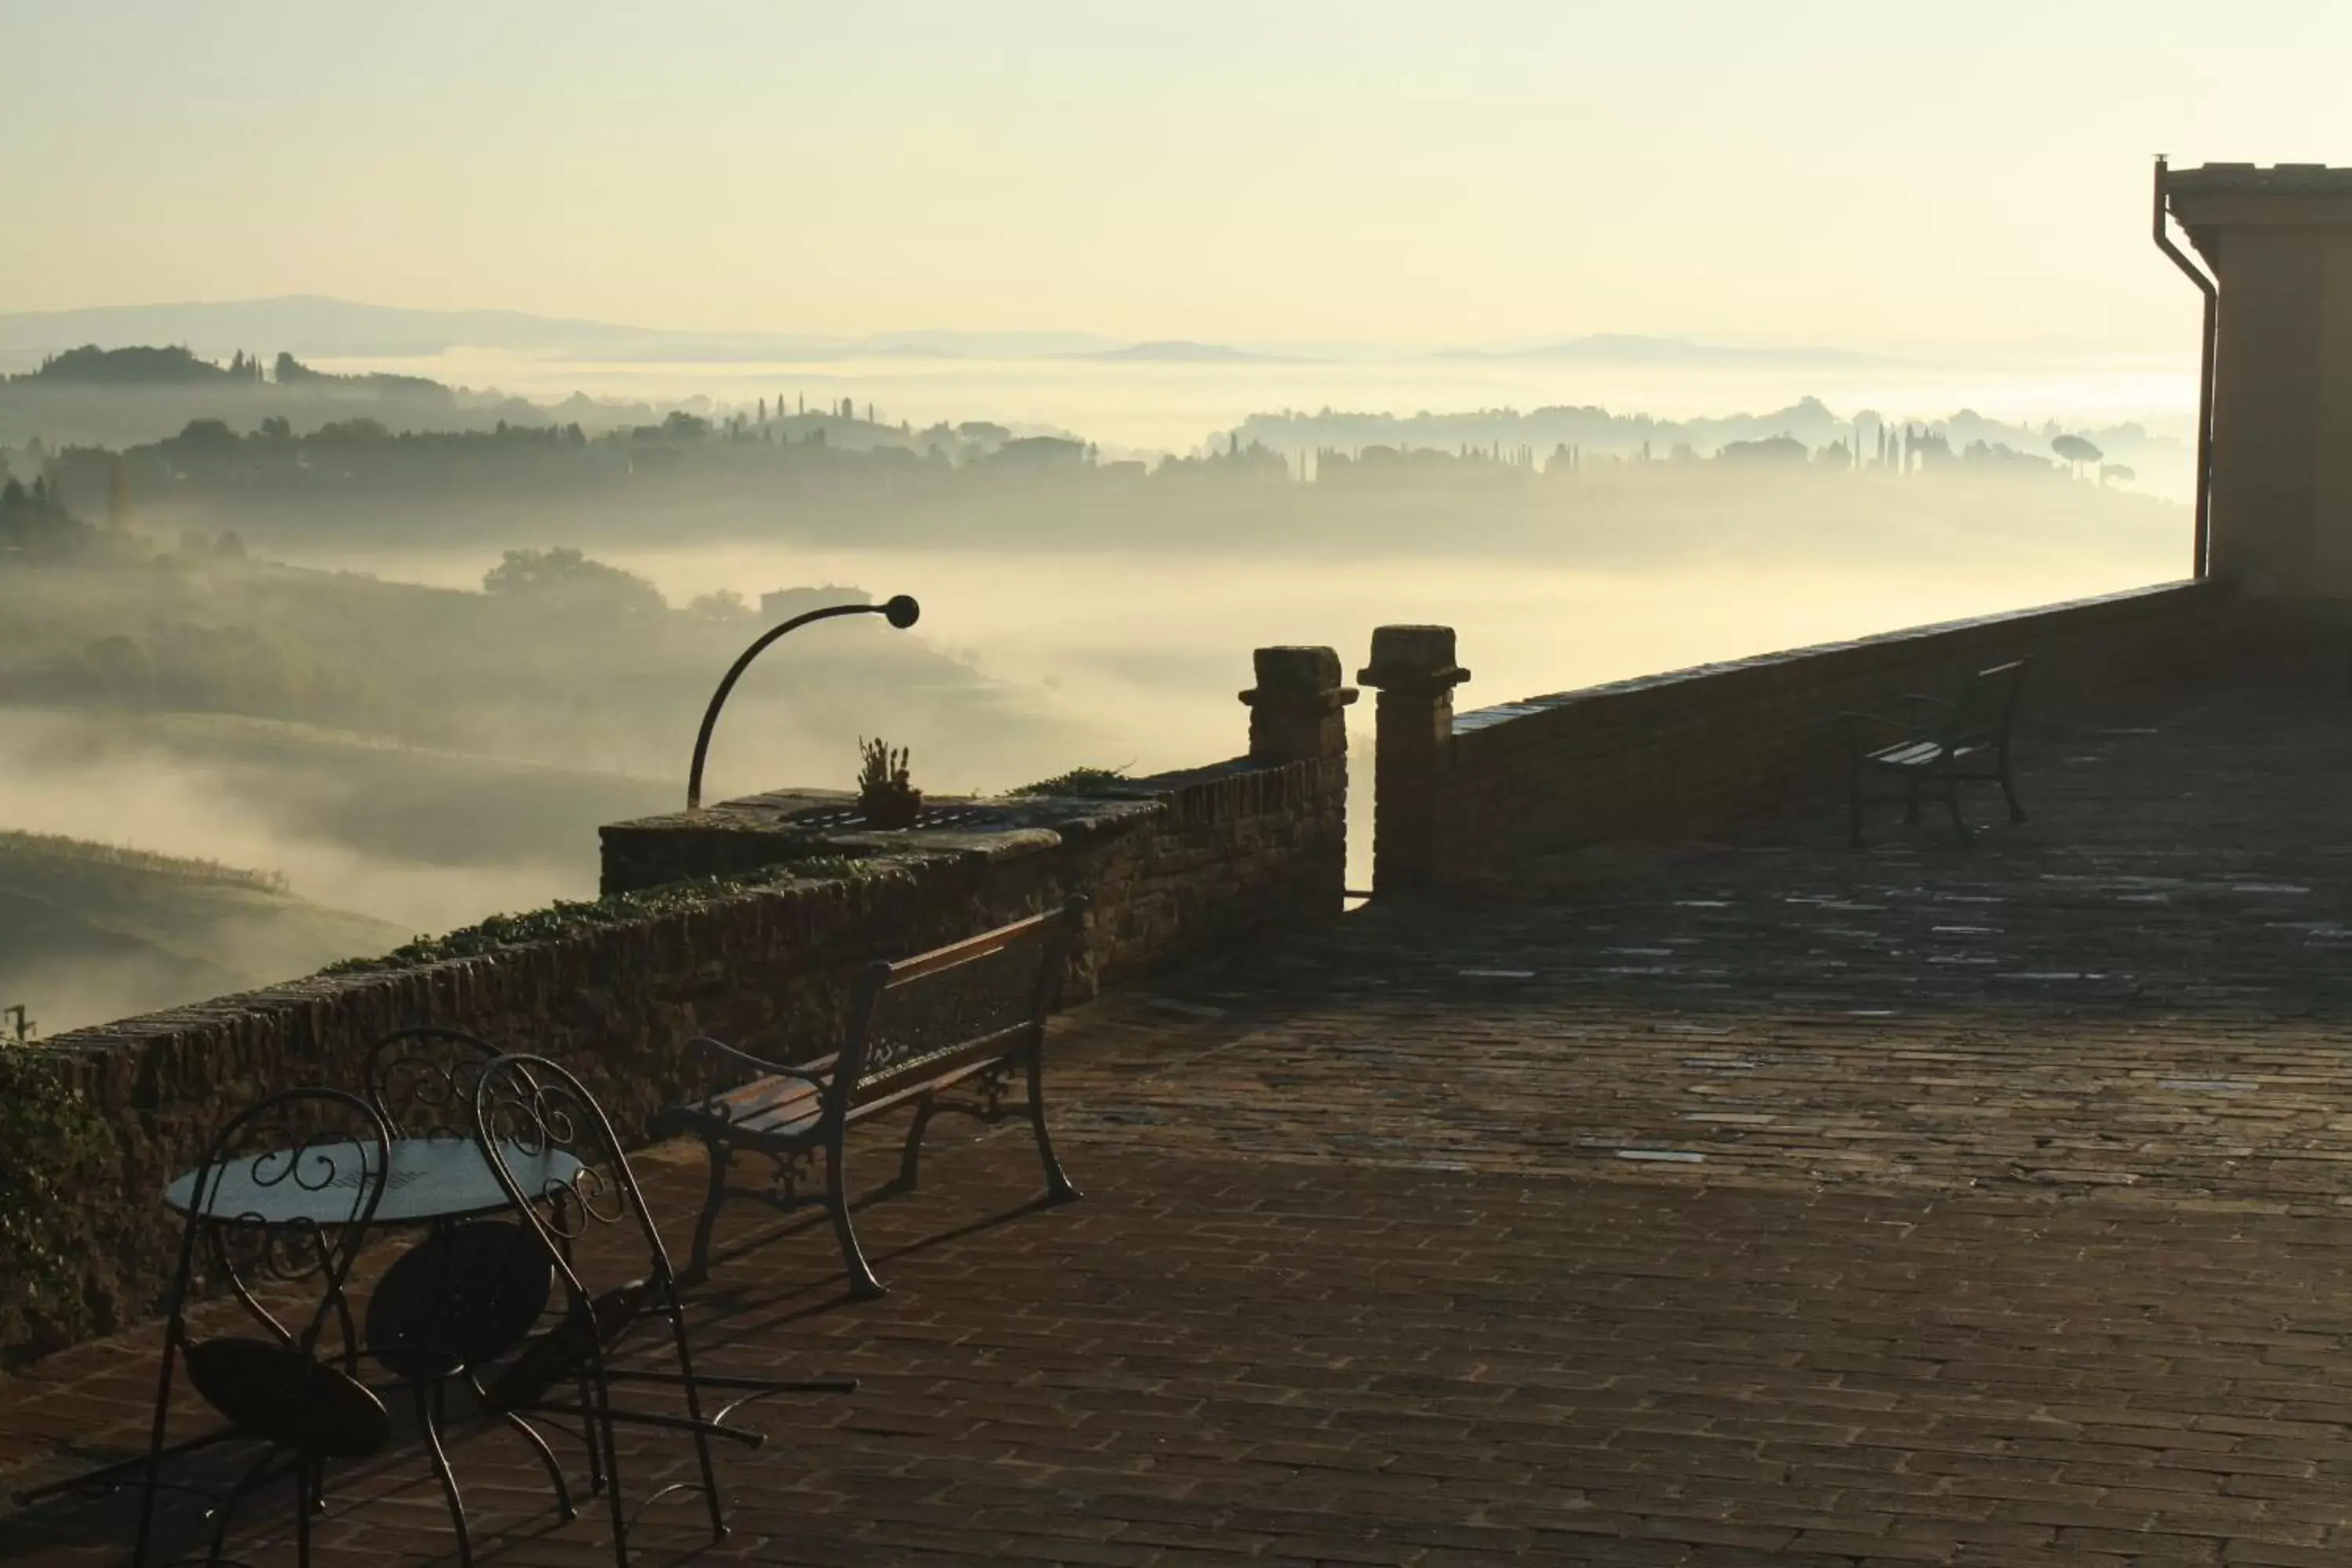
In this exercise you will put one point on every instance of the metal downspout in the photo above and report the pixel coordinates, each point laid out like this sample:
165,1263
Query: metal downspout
2212,292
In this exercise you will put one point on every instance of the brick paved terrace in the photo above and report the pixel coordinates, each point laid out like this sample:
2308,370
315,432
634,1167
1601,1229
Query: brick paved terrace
1735,1201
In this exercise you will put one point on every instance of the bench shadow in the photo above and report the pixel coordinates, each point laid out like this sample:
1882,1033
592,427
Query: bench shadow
832,1290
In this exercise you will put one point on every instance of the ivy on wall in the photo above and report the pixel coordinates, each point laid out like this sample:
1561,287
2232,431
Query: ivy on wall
53,1142
566,918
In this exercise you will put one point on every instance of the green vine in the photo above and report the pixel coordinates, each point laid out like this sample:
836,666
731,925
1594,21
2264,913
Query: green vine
55,1148
565,918
1079,782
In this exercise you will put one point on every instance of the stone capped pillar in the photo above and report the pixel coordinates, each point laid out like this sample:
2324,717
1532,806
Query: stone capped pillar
1298,709
1413,668
1298,722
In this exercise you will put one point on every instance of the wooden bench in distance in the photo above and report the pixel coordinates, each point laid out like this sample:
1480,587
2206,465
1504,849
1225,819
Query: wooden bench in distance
971,1014
1964,742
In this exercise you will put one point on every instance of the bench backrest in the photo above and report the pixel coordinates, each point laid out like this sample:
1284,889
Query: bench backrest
1988,701
981,998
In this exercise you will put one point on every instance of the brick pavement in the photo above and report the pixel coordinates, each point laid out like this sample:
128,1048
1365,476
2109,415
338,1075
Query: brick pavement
1729,1203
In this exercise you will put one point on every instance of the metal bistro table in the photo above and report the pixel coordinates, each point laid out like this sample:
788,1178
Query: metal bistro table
430,1181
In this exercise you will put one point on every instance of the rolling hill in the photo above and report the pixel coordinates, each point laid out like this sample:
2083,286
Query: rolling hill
88,931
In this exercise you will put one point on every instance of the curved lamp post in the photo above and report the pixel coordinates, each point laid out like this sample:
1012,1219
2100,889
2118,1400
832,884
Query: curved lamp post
900,611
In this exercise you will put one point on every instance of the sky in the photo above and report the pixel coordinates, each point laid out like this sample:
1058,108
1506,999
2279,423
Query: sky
1476,171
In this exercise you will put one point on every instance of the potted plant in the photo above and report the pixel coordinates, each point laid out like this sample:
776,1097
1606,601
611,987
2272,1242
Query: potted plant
884,798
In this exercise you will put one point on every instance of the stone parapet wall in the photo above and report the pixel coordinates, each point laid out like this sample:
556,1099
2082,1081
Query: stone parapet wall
1687,752
1173,864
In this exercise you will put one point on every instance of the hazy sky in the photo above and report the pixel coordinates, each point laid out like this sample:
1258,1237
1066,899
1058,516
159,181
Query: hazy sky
1781,173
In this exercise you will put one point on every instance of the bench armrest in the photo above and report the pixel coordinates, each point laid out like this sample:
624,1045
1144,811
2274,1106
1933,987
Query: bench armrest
1853,722
722,1055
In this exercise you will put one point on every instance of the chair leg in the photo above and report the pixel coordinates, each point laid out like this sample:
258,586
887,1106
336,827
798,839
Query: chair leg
155,1450
225,1513
599,1432
563,1505
304,1490
698,1267
1911,801
1853,804
1059,1189
862,1283
597,1481
910,1158
428,1414
694,1412
1952,804
2009,791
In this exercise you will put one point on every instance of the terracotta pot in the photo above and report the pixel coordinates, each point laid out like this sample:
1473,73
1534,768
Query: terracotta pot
891,808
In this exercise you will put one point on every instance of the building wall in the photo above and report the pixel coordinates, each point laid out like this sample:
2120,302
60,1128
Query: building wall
2278,241
2270,406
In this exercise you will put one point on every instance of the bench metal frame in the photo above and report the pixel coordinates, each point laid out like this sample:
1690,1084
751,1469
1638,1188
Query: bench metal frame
1944,745
790,1113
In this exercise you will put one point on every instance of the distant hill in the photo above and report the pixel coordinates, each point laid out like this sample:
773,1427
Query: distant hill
1619,348
1177,352
302,324
139,365
91,931
314,326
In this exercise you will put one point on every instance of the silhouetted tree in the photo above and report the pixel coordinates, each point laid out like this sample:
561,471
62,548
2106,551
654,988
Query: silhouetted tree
2076,451
206,433
565,575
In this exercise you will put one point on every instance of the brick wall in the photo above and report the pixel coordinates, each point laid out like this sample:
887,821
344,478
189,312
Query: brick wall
1176,864
1682,752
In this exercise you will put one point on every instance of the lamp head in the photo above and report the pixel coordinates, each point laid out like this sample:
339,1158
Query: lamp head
902,611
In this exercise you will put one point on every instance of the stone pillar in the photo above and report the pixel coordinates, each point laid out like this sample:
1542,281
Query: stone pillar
1298,718
1415,671
1298,709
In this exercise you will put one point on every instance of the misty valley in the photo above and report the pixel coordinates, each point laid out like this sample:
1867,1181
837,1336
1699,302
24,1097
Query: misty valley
340,659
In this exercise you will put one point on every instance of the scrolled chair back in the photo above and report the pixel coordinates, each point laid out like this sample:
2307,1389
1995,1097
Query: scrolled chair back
421,1080
555,1152
285,1196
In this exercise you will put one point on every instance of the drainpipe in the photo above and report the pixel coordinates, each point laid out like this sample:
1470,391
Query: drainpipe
2212,292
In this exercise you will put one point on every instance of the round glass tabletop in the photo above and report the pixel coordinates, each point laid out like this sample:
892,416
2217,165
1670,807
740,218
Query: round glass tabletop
429,1179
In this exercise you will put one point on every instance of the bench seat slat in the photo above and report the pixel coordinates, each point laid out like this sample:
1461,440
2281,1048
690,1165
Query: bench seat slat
788,1108
982,1049
1923,754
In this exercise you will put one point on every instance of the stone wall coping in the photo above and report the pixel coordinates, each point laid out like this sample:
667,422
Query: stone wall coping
772,812
1527,706
1042,825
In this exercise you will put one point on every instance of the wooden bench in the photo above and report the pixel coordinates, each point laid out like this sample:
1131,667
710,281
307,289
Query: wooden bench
1944,745
969,1014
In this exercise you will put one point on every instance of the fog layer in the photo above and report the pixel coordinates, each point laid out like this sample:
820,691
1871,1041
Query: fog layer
414,675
